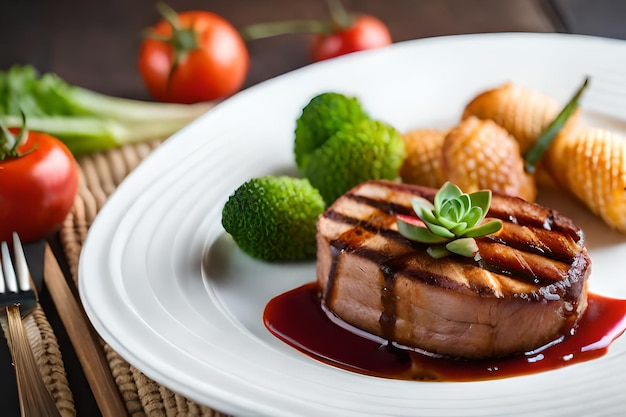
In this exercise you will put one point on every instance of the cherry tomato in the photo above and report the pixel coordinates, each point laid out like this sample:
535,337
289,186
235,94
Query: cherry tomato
366,32
37,189
203,58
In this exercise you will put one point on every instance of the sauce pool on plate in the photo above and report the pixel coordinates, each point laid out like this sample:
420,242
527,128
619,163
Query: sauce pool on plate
296,317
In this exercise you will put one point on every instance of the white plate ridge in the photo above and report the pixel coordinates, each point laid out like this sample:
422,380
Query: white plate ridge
173,295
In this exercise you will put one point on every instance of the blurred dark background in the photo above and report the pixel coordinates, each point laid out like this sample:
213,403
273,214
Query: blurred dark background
94,43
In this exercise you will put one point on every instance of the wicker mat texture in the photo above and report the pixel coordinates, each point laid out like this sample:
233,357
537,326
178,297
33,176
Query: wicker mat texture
101,174
49,360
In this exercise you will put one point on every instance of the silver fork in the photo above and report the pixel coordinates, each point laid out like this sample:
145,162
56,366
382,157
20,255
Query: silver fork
17,300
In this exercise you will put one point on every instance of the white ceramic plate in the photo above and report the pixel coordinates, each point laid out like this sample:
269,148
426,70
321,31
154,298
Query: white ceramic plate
169,291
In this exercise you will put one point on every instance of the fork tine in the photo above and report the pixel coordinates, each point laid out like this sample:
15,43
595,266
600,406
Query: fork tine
35,399
7,267
21,266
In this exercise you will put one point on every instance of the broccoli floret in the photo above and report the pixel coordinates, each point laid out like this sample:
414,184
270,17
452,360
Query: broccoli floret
366,150
274,218
324,115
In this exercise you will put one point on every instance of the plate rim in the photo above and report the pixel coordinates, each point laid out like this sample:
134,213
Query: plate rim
226,402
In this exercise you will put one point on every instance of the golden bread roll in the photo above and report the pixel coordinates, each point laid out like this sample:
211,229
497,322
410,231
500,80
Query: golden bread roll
480,154
422,164
592,165
522,111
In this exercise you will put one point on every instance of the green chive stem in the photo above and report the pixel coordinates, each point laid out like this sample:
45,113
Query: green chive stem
535,153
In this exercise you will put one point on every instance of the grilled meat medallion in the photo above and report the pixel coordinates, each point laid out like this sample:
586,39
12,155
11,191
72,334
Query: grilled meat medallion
529,288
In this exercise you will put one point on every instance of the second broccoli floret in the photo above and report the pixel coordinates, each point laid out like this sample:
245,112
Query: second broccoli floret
358,152
274,218
324,115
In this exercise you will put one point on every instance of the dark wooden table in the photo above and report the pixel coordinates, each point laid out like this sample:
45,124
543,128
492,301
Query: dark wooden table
94,44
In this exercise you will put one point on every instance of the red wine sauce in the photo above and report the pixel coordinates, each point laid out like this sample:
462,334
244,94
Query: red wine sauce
297,318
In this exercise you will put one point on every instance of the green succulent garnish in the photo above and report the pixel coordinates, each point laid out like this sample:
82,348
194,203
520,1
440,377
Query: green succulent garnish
451,223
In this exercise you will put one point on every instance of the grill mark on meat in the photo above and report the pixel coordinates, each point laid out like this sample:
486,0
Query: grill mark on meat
542,235
540,217
523,236
330,286
544,221
384,206
338,217
514,261
371,227
543,242
388,316
389,266
525,266
501,271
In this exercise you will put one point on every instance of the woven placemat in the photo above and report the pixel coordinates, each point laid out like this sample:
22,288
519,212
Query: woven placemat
101,174
49,360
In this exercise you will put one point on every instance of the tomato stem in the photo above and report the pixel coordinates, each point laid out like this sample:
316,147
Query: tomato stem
339,19
339,16
266,30
169,14
182,40
9,143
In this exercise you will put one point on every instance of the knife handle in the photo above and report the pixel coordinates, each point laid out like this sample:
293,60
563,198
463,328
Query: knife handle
84,339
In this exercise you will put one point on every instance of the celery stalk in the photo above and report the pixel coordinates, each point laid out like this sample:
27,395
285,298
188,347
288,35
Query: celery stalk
86,134
86,121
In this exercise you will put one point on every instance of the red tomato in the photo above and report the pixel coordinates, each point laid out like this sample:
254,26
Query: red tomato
37,189
212,64
367,32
